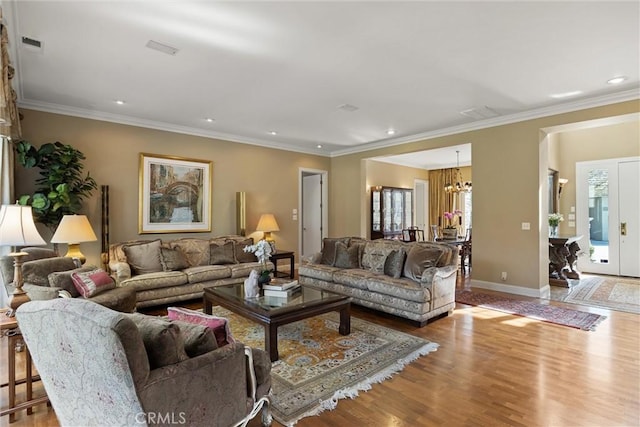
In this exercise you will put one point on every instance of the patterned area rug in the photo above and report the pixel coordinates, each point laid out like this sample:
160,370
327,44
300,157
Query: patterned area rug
318,366
546,313
614,293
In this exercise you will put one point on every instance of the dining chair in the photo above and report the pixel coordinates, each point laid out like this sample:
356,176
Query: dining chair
465,253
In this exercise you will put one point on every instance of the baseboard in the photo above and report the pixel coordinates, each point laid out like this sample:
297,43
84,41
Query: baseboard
543,292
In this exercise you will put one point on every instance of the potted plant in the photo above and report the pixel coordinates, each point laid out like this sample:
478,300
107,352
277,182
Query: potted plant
61,187
262,251
554,222
450,231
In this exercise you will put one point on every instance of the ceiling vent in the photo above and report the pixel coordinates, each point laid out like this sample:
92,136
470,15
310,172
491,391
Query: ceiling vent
479,113
162,47
348,107
31,44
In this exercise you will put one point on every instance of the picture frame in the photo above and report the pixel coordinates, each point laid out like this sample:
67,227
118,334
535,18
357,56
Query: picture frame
174,194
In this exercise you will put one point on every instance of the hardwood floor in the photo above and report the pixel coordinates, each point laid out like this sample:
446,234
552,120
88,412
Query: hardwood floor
491,369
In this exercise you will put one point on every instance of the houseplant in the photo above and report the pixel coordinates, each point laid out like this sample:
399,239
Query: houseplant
262,251
450,231
554,221
62,186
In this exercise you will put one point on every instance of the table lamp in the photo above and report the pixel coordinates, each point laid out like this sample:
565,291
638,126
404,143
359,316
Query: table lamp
17,229
73,230
267,224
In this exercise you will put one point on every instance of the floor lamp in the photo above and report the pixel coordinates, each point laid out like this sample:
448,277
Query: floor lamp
17,229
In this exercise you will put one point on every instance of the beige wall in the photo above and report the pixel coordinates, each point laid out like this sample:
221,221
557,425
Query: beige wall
605,142
509,187
269,177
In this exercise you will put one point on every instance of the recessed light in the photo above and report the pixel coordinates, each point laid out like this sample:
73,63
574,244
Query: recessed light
566,94
391,132
319,145
209,119
616,80
273,132
119,102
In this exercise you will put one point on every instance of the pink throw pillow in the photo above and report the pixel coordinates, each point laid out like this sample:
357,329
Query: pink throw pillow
93,282
219,325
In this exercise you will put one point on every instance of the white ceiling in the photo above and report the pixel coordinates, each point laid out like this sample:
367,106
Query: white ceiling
263,66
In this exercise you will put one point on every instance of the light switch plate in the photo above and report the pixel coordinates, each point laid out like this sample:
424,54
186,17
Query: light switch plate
572,216
573,208
572,224
526,226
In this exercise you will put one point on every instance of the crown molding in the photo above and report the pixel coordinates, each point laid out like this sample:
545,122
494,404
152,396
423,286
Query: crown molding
152,124
628,95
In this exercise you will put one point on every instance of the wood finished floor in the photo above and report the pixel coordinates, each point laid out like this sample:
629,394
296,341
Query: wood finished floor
492,369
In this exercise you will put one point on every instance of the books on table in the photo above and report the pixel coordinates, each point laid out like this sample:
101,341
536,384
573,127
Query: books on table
281,293
280,285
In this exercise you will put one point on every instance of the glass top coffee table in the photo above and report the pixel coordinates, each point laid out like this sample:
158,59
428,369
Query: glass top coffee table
272,312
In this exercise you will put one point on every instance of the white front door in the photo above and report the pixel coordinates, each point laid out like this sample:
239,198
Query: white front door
607,216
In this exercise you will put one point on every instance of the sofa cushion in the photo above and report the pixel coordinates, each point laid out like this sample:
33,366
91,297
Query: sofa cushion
198,339
418,259
347,257
329,249
219,325
144,257
240,254
90,283
172,259
118,299
394,263
220,254
150,281
403,288
205,273
355,277
195,250
62,279
162,340
37,271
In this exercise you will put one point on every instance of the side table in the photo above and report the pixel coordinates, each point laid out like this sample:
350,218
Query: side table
9,327
277,255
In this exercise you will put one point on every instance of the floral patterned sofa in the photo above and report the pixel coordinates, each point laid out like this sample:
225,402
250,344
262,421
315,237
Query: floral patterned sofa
414,280
163,272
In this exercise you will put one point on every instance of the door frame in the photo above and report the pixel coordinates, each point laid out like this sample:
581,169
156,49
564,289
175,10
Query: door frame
325,202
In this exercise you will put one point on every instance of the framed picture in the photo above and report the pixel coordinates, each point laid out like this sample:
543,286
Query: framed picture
175,194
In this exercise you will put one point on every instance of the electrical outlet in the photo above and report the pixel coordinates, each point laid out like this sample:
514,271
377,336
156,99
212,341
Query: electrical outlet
503,276
526,226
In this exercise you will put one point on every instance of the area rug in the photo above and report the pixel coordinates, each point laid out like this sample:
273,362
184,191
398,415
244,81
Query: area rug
318,366
614,293
546,313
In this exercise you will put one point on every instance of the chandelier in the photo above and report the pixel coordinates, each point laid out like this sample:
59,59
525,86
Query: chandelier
458,184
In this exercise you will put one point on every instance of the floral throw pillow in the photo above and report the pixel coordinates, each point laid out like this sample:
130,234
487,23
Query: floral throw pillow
93,282
219,325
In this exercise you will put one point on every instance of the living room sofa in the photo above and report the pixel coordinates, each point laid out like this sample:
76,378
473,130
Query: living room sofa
163,272
414,280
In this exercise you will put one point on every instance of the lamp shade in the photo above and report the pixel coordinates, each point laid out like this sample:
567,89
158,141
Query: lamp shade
17,227
74,229
267,223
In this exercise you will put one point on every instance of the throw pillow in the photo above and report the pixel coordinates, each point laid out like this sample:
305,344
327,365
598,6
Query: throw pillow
394,263
198,339
62,279
222,254
162,340
329,249
195,250
144,257
419,258
219,325
93,282
241,255
173,259
347,257
37,271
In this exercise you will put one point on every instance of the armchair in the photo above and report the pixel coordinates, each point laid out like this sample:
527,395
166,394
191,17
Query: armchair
99,373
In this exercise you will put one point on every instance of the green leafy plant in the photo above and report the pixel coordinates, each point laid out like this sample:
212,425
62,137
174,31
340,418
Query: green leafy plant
62,186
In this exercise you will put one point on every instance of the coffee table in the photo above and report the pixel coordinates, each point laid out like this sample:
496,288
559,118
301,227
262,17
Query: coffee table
272,312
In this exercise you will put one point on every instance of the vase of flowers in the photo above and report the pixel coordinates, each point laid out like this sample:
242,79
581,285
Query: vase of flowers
450,231
554,221
262,251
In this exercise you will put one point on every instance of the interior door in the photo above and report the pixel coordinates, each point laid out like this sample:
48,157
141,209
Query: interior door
311,214
629,225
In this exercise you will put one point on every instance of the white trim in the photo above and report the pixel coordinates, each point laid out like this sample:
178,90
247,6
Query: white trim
544,292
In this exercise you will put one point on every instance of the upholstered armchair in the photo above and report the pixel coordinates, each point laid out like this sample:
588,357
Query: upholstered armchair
48,276
101,367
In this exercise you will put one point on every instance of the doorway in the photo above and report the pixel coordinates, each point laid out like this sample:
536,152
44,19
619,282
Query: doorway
313,210
607,214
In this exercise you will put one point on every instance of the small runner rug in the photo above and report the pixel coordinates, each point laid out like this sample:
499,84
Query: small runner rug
546,313
614,293
318,366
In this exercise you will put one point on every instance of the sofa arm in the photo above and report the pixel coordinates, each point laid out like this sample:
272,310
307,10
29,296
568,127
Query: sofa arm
312,259
40,293
120,271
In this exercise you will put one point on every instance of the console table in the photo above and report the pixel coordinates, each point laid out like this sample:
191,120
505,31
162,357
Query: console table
562,259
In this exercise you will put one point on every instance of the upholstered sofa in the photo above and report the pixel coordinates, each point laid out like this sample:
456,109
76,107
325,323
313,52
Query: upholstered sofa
170,271
414,280
48,276
100,367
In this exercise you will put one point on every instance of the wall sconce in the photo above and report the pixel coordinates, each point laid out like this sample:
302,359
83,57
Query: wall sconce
17,229
561,183
74,229
267,224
